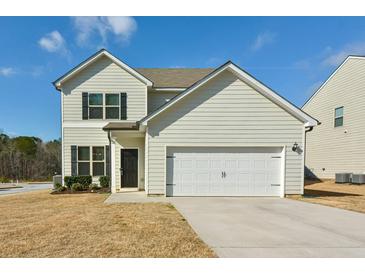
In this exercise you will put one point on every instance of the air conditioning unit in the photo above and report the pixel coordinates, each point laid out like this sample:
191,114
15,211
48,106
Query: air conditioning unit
358,179
343,178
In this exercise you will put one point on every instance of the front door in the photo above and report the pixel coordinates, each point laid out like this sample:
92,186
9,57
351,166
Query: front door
129,167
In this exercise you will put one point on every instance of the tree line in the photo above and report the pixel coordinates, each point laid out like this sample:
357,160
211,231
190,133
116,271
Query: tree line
28,158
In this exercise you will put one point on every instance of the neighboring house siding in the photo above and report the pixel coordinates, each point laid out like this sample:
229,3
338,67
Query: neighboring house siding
158,98
81,137
329,147
225,111
103,76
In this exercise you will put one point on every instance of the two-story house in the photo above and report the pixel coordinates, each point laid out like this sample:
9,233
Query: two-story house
336,145
180,132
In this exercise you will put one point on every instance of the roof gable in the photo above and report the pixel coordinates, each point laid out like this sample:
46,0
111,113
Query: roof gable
248,79
331,76
58,83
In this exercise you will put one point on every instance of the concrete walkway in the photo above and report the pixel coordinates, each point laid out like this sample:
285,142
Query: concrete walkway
267,227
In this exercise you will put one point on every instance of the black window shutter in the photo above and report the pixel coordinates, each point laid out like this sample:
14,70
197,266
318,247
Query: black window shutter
107,160
73,160
85,106
123,106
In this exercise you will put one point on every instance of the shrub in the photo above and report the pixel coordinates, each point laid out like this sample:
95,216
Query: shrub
77,187
94,187
4,180
104,181
69,180
84,180
61,188
57,185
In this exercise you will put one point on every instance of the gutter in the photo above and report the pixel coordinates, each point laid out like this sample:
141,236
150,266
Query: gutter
110,160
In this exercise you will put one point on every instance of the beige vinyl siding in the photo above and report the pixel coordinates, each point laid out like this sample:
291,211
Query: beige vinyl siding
130,142
224,112
81,137
103,76
339,149
158,98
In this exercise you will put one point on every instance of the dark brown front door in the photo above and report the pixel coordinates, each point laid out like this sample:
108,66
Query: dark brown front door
129,167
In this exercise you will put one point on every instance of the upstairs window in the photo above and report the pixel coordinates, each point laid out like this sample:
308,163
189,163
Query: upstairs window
104,106
338,117
95,106
112,106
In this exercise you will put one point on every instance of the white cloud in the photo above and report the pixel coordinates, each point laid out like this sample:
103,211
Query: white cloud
263,39
7,71
88,27
336,57
53,42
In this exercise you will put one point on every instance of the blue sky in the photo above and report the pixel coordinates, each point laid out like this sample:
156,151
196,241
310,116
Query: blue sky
292,55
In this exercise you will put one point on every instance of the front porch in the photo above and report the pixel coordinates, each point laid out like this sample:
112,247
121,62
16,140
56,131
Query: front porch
127,163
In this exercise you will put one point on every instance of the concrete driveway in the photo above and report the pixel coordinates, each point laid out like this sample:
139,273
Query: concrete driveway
274,227
26,188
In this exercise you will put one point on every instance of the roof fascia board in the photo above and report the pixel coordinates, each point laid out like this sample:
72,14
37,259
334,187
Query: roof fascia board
92,59
296,112
169,89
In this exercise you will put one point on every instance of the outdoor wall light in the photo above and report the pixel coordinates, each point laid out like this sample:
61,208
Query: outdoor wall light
295,147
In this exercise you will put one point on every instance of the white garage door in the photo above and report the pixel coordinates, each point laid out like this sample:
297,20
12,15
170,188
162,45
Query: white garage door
223,171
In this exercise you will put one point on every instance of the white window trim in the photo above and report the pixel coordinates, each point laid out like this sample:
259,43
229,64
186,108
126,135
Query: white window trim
113,106
92,161
336,117
83,161
90,106
104,106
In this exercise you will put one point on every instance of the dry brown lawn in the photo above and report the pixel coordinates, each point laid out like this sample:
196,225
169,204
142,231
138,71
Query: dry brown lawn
327,192
38,224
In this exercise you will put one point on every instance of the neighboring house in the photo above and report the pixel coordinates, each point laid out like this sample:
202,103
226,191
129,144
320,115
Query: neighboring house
337,144
180,132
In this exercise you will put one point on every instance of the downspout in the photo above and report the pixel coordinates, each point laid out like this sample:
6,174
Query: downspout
309,129
110,160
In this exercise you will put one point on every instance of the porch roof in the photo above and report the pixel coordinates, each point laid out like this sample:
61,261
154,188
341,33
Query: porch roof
121,126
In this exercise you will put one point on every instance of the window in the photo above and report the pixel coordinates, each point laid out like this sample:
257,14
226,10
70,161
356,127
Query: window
95,106
83,156
98,161
85,162
111,106
99,101
339,117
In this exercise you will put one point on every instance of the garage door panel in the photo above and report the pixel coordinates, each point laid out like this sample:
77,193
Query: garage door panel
223,171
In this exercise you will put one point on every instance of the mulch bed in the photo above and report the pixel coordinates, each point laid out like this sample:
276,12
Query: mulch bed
69,191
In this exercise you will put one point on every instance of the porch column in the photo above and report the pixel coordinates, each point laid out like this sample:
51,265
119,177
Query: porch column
112,164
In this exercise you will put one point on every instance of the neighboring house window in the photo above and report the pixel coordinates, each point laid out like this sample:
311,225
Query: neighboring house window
83,158
95,106
339,117
112,106
96,162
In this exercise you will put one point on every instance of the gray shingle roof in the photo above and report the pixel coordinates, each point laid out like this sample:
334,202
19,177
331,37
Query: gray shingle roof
174,77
